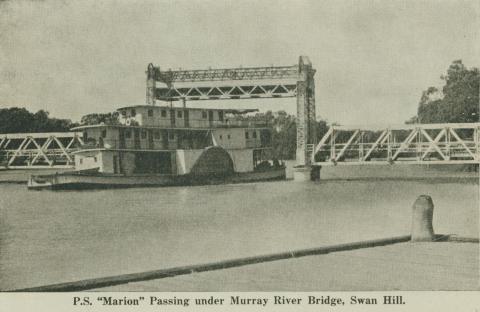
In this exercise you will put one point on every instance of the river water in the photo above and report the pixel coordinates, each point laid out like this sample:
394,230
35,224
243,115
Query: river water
51,237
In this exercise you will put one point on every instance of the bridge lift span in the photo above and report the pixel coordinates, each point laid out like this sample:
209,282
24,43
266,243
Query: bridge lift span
244,83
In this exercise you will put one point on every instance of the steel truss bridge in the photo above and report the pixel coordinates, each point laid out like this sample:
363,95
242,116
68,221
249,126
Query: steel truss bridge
243,83
455,143
271,82
341,145
38,150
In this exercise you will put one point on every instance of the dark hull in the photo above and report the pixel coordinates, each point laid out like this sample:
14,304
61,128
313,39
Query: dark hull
76,181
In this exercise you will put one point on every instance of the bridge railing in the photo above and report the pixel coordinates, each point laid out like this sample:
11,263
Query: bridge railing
38,150
415,144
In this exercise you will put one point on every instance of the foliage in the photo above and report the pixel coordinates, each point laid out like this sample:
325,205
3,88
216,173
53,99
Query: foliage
18,120
458,101
95,119
284,134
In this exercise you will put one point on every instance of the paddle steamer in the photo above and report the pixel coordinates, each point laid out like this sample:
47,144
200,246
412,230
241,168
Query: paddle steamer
166,145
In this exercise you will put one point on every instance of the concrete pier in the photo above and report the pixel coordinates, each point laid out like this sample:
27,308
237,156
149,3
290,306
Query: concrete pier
306,173
301,174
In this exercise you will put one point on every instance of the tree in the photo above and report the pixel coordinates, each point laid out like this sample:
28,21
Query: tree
18,120
95,119
284,131
457,102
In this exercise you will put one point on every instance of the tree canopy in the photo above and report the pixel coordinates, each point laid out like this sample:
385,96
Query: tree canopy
284,134
458,101
95,119
18,120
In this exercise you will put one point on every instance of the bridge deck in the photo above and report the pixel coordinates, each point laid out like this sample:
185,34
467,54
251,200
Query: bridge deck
408,144
38,150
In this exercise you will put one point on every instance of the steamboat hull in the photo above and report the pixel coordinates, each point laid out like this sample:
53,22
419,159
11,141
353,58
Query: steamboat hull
78,181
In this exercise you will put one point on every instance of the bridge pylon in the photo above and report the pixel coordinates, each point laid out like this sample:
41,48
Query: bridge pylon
246,83
306,126
305,111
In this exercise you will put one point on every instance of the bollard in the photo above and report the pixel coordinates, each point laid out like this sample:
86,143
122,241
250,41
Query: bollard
315,173
422,216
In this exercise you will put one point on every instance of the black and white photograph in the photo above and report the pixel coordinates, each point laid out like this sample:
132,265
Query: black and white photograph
248,146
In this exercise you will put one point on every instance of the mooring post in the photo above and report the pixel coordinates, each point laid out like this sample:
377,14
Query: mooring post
422,217
315,173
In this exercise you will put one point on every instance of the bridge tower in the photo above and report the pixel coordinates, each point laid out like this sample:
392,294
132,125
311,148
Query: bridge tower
151,85
246,83
306,131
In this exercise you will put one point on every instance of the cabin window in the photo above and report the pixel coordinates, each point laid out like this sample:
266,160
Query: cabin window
246,135
220,115
95,159
157,135
81,161
164,113
150,113
124,113
228,136
204,114
179,114
104,133
128,134
171,136
85,136
133,112
144,134
254,134
221,137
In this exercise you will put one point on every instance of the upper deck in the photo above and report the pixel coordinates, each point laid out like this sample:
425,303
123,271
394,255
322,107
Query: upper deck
182,117
147,127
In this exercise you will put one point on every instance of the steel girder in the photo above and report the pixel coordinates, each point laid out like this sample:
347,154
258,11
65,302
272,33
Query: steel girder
226,83
409,144
226,74
227,92
38,150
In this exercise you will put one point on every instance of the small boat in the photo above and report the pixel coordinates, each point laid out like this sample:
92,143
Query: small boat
167,146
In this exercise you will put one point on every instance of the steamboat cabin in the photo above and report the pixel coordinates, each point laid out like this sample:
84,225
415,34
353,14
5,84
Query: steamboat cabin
175,141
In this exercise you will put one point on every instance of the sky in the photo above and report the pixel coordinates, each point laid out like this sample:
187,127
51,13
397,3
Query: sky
373,59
